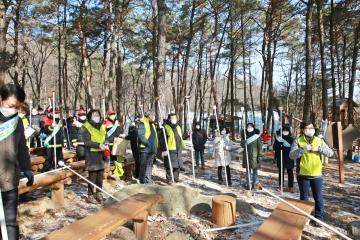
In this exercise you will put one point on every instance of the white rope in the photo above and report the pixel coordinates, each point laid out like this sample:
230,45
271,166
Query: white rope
86,180
232,227
2,220
306,214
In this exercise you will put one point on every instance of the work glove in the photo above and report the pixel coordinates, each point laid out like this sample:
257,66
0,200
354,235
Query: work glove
42,136
315,149
61,163
102,146
164,154
30,176
308,148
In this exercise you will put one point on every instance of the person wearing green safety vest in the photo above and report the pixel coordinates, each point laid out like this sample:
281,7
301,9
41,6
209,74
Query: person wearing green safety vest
92,135
148,144
175,144
307,150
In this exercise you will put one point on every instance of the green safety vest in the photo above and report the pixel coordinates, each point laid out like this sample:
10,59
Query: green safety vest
310,162
171,141
148,126
96,135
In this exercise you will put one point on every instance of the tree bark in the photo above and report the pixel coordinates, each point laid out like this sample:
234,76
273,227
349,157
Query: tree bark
308,67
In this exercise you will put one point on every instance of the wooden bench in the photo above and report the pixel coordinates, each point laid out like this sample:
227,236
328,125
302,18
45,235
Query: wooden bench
284,222
136,208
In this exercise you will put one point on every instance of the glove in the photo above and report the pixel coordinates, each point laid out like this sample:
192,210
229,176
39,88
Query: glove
30,176
164,154
61,163
308,148
102,146
315,149
42,136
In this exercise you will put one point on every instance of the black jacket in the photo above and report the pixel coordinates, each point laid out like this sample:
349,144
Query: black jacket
14,156
287,162
199,139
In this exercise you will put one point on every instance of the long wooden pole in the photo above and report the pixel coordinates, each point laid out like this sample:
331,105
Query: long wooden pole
281,154
340,152
53,107
245,144
192,148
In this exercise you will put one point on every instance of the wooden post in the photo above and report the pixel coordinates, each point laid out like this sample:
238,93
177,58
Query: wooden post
57,193
141,228
341,153
223,210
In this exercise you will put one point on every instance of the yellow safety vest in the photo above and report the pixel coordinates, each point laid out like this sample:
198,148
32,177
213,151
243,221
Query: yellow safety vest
25,122
96,135
147,126
310,162
171,141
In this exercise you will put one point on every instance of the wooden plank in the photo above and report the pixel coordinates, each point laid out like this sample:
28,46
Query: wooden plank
284,222
106,220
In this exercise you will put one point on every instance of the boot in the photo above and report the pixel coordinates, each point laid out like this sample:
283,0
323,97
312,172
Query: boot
99,197
203,166
91,199
258,186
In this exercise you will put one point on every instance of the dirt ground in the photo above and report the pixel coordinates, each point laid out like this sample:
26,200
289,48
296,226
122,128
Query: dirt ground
38,217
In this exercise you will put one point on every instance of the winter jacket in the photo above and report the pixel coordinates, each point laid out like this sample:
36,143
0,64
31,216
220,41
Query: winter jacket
199,139
35,122
222,153
287,162
48,130
14,156
94,160
147,137
132,137
254,150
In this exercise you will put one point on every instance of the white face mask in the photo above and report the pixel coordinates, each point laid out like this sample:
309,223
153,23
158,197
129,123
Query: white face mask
197,126
82,117
250,129
95,119
309,132
223,132
56,116
173,121
112,117
7,112
285,133
34,112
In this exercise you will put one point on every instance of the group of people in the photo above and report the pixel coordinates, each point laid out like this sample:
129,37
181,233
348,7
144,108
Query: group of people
93,137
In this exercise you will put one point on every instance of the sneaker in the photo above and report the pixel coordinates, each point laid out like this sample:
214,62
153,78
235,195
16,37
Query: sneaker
91,199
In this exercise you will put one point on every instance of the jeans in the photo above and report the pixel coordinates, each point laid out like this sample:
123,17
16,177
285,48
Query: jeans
290,173
95,177
199,155
146,165
10,203
316,185
254,177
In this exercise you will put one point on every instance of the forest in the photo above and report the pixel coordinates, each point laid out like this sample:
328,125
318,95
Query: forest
301,55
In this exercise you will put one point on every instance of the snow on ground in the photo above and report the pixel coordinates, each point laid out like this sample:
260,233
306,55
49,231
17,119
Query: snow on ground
37,217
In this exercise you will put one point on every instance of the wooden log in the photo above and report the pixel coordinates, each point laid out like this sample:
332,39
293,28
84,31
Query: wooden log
57,193
223,210
35,168
141,228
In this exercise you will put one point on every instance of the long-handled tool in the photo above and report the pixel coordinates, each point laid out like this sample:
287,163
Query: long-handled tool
62,164
306,214
53,108
166,145
187,98
245,144
2,220
281,153
224,162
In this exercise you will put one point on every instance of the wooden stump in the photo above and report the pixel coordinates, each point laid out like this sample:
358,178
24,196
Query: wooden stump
223,210
57,193
141,227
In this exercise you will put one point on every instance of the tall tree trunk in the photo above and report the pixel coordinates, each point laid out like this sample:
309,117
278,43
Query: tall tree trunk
244,63
161,50
353,74
332,59
325,107
60,85
308,67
